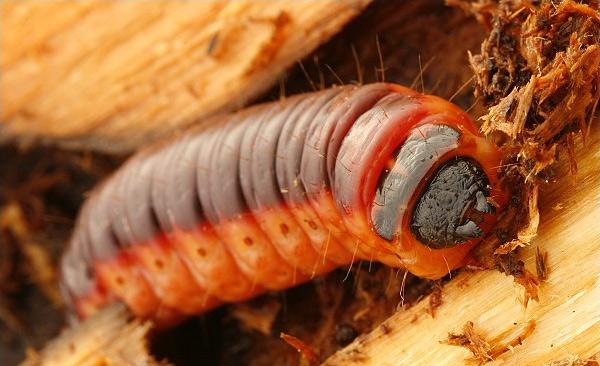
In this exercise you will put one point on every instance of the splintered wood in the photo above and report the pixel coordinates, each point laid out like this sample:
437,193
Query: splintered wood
105,339
566,317
114,75
539,72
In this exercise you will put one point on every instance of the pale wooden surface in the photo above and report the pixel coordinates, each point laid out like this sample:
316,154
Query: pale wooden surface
567,316
104,339
113,75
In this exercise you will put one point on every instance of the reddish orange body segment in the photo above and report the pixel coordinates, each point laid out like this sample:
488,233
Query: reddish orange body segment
272,197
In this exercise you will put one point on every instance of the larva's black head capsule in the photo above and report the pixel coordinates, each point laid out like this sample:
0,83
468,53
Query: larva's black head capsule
452,205
416,182
434,192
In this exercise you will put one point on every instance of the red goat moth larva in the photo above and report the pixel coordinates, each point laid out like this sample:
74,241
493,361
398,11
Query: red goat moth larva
271,196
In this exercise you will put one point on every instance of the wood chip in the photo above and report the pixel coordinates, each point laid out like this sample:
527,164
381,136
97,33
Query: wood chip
107,338
306,351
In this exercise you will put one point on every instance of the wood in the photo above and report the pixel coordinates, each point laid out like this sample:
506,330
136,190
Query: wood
105,339
114,75
567,316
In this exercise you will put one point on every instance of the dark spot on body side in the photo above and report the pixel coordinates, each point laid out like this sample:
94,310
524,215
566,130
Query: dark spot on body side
312,225
285,230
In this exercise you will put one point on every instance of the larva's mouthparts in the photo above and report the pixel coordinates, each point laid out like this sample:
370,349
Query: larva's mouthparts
449,211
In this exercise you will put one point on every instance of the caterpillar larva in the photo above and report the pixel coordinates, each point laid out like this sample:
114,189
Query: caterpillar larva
271,196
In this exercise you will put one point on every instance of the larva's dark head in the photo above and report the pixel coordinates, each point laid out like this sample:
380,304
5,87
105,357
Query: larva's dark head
415,182
452,207
434,192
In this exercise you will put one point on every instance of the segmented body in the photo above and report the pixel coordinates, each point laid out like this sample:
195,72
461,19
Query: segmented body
274,195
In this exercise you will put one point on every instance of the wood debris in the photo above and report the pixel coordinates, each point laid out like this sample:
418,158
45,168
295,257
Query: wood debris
471,340
306,351
107,338
512,266
538,72
483,350
527,218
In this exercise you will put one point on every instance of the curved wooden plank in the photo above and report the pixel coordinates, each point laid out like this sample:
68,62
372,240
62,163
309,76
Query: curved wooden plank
113,75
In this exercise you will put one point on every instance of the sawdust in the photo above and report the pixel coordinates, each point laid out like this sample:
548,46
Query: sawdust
484,350
306,351
538,74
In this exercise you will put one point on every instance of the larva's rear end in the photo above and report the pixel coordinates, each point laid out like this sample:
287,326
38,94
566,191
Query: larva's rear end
274,195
